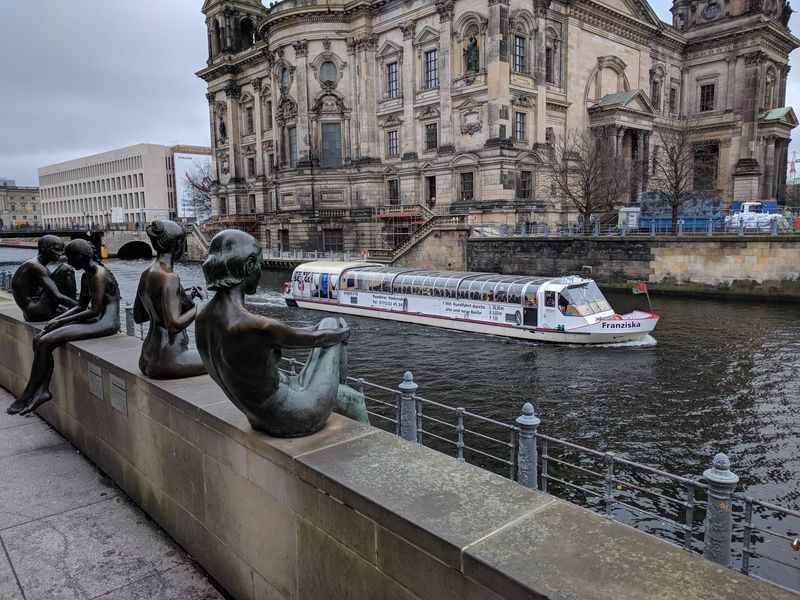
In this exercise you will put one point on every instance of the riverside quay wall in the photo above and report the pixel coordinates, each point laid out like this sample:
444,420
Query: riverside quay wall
351,512
735,266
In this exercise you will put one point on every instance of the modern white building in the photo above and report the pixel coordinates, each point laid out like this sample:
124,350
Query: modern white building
128,187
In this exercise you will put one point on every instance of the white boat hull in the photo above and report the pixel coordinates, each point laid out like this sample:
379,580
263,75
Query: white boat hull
626,328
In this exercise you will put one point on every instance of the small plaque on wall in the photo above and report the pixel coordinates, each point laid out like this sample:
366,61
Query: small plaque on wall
95,381
119,394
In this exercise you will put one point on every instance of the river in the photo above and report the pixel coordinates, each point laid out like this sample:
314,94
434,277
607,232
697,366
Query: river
723,376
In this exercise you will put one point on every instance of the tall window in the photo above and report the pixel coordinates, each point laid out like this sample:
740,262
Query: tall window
655,94
394,191
519,54
467,187
525,180
519,126
393,143
431,136
249,121
392,80
291,146
549,70
333,240
331,155
673,100
707,97
223,205
251,166
431,69
284,79
430,185
327,72
251,203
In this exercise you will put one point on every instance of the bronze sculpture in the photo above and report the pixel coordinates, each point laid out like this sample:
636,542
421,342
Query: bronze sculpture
33,288
96,315
64,277
161,300
242,350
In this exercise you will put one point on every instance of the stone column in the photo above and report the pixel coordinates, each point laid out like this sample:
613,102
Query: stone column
213,121
355,94
211,50
731,87
370,114
619,137
304,154
498,69
407,67
645,155
782,91
259,128
684,107
639,165
445,10
233,93
768,185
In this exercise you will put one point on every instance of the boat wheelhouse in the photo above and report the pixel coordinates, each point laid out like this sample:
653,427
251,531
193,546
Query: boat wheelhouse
568,309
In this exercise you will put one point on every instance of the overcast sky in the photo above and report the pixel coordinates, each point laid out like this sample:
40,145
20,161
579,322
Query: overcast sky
79,77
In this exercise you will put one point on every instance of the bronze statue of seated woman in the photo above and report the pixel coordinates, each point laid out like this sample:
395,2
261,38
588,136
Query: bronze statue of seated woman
242,350
96,315
35,292
163,302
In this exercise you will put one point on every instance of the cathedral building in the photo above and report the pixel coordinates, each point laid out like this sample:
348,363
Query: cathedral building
346,124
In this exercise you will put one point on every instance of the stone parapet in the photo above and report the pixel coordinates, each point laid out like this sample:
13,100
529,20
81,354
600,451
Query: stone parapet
351,512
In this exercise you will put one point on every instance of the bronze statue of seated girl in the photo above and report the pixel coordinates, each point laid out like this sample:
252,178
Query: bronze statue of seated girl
242,350
162,301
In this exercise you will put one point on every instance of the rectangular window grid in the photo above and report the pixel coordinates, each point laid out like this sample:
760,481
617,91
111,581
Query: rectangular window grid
431,136
467,190
431,69
707,97
519,127
519,54
392,80
393,143
548,65
524,191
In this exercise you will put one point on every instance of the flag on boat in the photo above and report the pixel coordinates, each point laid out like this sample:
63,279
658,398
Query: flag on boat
640,287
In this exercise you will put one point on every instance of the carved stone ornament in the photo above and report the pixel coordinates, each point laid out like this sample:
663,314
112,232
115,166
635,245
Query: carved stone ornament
300,48
232,90
257,85
445,10
471,120
408,29
286,111
329,103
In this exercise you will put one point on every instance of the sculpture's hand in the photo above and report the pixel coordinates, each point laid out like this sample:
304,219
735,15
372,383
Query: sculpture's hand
197,292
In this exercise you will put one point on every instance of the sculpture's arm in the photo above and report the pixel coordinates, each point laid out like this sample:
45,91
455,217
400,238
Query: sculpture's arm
139,313
171,306
51,289
85,312
289,337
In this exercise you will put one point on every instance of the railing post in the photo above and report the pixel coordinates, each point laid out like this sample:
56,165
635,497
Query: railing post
527,458
680,227
773,228
653,228
130,324
710,228
408,408
719,523
460,433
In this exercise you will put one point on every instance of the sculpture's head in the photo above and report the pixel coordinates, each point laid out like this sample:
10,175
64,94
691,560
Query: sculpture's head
234,258
50,247
167,237
79,253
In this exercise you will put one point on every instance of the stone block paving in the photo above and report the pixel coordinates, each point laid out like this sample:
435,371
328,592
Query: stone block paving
67,533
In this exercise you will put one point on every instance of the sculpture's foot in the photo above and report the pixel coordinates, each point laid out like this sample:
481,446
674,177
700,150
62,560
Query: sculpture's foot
36,402
18,406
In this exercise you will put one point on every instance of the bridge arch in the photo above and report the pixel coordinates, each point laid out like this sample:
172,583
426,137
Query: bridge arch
135,249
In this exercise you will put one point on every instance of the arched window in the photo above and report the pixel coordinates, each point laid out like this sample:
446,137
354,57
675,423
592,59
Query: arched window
247,34
552,58
285,79
327,72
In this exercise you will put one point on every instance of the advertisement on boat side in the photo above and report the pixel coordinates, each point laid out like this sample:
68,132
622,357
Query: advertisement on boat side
441,307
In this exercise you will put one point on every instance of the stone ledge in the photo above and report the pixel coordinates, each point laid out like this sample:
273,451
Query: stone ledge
291,517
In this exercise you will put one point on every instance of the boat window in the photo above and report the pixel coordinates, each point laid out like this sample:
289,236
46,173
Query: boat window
363,278
550,299
375,281
515,293
349,282
583,300
438,286
452,287
488,291
386,282
405,283
418,284
501,292
475,290
530,296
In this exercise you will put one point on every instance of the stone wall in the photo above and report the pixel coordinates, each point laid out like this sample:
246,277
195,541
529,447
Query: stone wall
351,512
442,248
767,267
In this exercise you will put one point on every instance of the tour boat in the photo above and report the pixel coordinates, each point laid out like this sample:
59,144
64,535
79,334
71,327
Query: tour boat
568,309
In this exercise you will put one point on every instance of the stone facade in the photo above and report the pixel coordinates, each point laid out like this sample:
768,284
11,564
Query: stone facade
19,206
345,125
133,185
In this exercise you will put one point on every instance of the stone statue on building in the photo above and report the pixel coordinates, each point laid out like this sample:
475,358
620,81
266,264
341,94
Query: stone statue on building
786,13
35,291
471,59
96,315
161,300
242,350
223,131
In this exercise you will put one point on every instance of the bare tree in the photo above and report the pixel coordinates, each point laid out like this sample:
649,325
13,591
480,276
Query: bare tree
588,172
674,166
197,192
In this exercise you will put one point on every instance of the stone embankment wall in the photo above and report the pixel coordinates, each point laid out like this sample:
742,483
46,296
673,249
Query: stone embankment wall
351,512
443,248
757,267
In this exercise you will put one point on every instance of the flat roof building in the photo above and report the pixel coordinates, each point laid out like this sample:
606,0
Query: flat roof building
128,186
19,206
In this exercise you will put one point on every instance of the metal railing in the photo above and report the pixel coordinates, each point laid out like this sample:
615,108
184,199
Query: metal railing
704,515
274,254
694,229
5,280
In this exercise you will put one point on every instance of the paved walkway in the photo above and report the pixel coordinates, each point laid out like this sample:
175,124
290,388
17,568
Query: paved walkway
66,532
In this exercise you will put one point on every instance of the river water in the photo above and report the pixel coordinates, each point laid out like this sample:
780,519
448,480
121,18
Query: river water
723,376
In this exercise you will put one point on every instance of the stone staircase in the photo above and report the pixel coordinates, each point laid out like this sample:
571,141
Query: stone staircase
434,221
